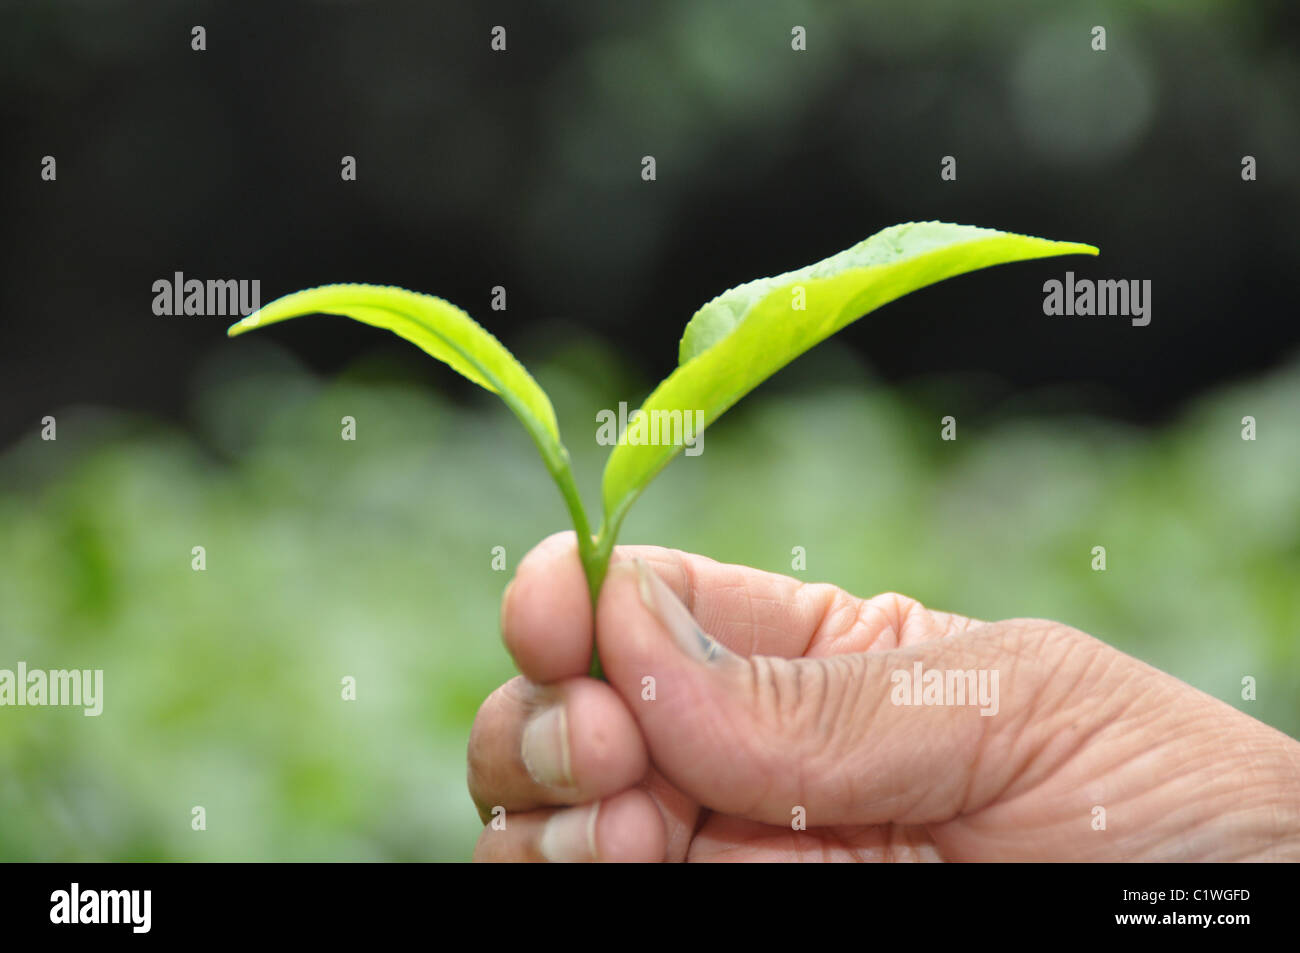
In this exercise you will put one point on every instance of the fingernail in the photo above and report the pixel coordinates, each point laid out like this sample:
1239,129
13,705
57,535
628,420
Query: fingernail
545,748
570,836
675,617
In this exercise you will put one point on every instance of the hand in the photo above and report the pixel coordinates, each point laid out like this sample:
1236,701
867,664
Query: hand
792,704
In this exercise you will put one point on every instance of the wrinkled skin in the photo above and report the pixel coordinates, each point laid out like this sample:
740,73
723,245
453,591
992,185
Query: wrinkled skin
793,712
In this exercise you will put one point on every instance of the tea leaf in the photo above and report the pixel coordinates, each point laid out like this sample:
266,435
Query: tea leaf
440,329
747,334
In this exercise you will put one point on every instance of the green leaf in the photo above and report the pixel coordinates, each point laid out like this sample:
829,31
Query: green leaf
747,334
440,329
446,332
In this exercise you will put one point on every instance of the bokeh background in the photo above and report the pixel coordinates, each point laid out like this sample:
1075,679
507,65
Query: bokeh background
373,558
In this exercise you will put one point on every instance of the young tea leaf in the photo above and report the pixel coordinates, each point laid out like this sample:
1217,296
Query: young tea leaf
745,335
440,329
453,337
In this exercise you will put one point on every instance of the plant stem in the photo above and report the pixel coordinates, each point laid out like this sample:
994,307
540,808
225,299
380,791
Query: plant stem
595,560
593,552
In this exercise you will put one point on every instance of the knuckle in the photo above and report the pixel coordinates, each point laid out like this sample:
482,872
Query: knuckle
1051,666
478,767
483,751
1039,640
806,704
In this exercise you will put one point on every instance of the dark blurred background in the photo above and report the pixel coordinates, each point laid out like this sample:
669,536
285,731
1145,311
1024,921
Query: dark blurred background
522,169
373,559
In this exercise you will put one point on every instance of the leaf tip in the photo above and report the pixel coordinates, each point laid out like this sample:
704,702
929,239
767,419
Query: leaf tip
247,324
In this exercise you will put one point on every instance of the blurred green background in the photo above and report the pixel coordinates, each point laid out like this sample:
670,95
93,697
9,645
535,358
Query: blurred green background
373,558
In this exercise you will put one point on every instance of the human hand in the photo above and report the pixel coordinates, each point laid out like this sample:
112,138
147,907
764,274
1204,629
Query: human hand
791,704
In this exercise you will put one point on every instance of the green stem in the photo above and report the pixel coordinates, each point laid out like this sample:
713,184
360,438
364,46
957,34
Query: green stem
596,563
595,560
563,475
593,552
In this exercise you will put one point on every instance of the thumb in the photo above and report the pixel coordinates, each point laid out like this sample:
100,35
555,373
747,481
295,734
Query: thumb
840,736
